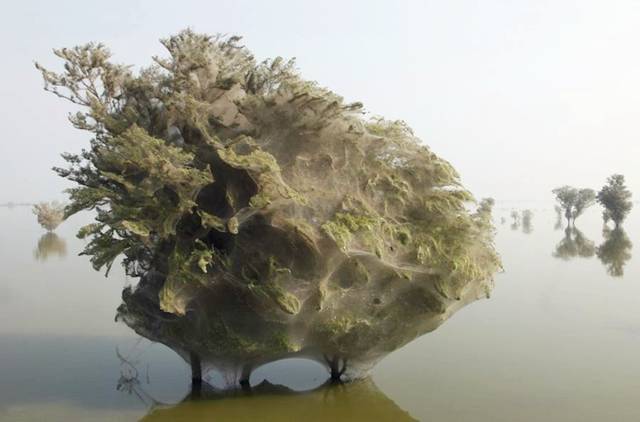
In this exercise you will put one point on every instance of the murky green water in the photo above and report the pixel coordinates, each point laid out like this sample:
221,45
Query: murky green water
558,341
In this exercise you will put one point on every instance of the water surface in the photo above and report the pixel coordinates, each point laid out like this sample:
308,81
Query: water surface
557,341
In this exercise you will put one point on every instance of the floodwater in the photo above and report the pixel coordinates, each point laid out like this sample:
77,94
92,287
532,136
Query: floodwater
559,340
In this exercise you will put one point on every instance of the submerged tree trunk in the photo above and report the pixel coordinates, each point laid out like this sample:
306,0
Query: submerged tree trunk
245,376
196,369
336,370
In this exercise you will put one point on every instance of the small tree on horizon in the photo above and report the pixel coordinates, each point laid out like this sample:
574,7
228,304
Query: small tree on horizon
616,200
558,210
49,214
515,220
527,216
586,198
574,201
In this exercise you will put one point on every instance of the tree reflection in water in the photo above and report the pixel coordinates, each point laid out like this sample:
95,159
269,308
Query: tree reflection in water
356,401
615,251
574,244
50,244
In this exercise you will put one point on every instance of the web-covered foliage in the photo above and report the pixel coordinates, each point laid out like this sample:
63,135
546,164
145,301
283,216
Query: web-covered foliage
239,185
49,214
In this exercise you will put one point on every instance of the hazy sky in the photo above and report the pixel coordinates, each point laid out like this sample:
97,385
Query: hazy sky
521,96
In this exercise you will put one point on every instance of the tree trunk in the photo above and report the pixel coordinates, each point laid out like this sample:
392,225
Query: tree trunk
336,370
245,376
196,369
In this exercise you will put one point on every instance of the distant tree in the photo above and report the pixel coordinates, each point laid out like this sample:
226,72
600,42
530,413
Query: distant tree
558,210
586,198
574,201
616,200
566,197
50,214
558,224
515,220
527,216
486,205
615,251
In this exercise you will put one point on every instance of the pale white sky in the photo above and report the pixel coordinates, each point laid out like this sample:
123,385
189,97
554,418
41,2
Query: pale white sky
521,96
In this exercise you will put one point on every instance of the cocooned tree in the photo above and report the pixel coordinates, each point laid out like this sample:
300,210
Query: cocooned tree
265,217
49,214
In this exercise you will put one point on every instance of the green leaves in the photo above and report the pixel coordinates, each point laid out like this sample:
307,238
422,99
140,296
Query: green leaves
574,201
104,248
616,199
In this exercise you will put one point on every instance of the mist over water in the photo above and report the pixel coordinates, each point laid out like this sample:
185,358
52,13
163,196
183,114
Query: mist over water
520,97
557,340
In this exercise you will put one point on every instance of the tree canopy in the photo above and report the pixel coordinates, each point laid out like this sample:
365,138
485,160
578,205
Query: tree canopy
574,201
616,199
49,214
265,215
